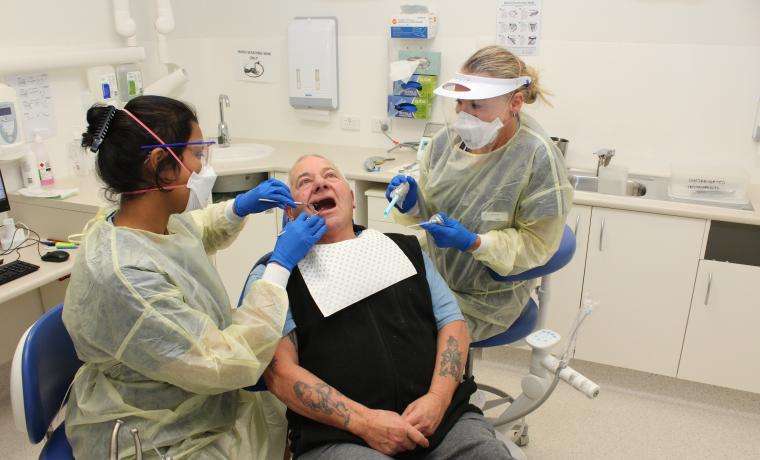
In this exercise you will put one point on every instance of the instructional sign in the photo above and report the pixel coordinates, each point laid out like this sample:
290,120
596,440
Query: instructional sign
257,65
36,101
518,26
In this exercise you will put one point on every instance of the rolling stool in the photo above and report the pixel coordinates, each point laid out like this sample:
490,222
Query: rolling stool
543,364
44,366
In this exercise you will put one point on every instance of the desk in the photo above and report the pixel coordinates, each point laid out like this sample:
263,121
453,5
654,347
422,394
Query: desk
48,272
24,300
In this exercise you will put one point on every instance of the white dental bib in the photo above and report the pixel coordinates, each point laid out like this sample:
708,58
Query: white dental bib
340,274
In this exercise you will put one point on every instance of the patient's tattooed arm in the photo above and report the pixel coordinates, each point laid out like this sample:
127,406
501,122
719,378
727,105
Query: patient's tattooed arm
453,344
321,397
451,359
307,395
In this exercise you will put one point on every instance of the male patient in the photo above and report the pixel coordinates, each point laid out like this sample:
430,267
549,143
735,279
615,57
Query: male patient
383,376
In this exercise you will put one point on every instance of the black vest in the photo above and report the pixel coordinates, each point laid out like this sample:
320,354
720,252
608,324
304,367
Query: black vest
379,352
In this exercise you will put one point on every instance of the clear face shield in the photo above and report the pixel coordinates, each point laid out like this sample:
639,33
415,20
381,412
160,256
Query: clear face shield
473,107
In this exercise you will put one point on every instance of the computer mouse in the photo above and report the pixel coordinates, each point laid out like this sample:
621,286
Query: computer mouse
56,256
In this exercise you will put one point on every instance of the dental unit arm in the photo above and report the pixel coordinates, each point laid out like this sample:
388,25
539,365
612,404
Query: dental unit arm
546,370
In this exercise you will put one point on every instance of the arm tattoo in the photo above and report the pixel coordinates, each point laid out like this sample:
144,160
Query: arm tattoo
451,360
323,398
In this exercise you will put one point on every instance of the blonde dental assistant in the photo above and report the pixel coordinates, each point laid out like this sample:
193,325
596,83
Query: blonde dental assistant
500,184
162,348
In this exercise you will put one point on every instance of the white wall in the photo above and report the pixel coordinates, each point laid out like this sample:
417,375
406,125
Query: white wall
47,23
660,80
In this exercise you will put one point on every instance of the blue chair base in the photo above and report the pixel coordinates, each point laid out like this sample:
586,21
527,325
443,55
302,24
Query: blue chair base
521,328
57,447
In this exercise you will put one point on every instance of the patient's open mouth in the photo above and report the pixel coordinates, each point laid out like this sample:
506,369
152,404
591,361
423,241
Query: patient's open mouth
324,204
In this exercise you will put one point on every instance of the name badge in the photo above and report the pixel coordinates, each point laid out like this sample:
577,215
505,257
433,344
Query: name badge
494,216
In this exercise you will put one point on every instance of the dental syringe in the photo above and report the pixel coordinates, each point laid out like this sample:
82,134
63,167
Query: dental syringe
397,194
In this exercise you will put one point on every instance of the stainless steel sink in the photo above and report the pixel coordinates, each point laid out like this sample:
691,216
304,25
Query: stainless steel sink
591,184
646,187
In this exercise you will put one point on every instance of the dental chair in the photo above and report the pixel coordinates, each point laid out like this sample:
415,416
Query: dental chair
545,368
44,365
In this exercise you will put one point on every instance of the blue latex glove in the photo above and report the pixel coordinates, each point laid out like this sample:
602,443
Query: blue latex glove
411,196
450,234
272,189
297,239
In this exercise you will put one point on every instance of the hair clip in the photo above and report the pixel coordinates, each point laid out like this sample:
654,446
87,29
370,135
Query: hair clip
103,129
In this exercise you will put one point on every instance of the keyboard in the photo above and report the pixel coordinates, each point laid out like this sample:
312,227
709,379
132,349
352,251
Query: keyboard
15,270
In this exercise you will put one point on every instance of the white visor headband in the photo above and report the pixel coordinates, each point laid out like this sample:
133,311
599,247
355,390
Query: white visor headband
477,87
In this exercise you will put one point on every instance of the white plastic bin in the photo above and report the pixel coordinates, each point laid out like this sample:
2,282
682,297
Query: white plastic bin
709,183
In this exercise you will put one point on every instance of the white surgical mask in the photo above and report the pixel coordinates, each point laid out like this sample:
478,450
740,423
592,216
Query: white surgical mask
200,186
476,133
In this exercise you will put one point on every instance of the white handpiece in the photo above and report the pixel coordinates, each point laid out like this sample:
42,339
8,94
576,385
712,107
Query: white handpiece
397,194
572,377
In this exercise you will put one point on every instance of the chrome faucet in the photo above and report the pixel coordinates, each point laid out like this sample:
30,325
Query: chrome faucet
604,157
224,130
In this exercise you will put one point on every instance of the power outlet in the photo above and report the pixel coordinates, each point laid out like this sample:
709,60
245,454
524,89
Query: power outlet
378,122
350,123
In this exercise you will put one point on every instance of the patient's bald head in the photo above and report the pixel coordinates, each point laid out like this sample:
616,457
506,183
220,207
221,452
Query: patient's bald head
316,180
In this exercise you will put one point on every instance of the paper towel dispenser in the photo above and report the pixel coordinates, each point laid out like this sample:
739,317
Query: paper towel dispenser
313,63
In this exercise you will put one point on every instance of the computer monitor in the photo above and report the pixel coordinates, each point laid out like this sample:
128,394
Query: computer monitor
4,205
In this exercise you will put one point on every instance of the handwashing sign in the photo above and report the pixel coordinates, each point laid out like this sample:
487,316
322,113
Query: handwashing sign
518,26
257,65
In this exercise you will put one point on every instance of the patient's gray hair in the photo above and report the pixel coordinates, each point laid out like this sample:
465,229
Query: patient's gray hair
311,155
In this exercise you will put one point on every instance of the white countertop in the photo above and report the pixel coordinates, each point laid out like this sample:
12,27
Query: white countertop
350,160
48,272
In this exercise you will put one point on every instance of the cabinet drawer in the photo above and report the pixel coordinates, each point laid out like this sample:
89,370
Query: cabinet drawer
280,176
376,206
51,222
735,243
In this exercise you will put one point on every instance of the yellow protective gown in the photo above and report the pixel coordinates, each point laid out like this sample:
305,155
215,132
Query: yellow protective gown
516,198
163,349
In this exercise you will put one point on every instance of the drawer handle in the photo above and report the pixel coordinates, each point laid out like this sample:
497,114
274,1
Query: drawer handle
577,223
601,236
709,288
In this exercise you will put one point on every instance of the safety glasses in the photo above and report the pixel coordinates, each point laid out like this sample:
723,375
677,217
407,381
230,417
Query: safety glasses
201,149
